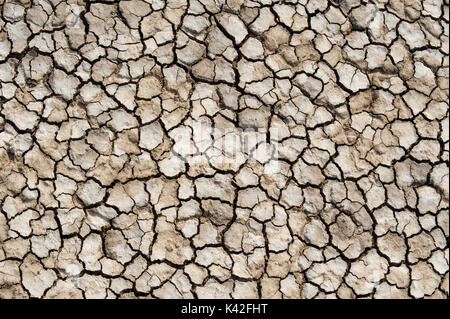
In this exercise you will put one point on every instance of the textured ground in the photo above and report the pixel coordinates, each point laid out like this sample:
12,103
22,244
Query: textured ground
213,148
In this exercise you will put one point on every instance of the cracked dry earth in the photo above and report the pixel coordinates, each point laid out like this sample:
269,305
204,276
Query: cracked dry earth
107,190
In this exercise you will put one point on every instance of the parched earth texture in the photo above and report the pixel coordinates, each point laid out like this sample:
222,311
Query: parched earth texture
224,149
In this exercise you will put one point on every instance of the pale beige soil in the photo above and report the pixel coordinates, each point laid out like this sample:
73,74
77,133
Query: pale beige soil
224,149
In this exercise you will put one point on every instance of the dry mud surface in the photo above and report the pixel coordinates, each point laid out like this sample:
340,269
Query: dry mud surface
224,149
